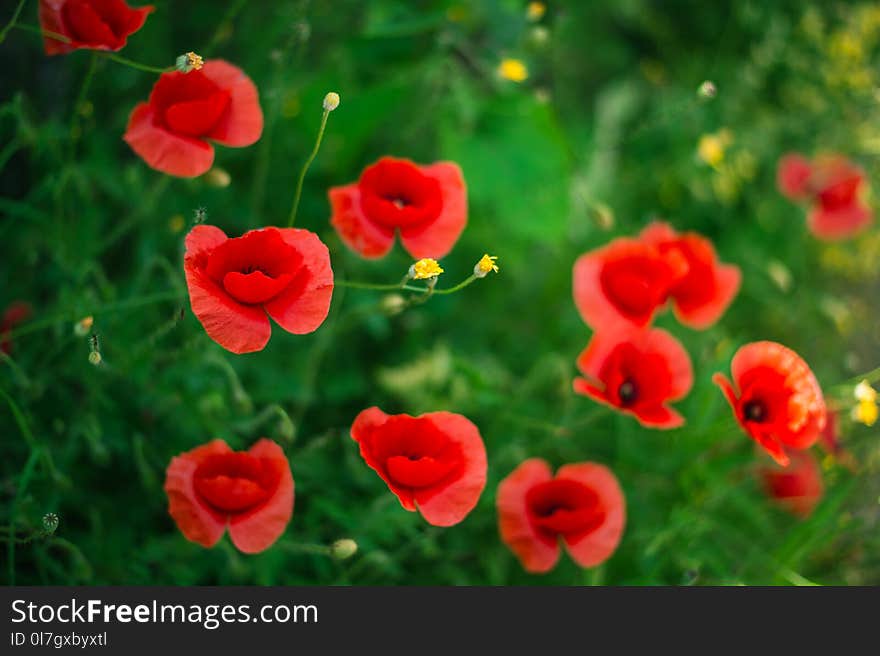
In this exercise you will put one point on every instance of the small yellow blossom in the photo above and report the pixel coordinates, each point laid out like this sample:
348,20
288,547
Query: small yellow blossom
864,393
82,327
711,147
485,265
425,269
513,69
865,413
535,11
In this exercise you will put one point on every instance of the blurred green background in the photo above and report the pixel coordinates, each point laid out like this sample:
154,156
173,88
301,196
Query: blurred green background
602,136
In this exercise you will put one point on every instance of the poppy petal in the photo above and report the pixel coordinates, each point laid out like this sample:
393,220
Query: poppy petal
301,309
203,238
237,328
242,123
197,523
536,554
362,428
436,239
727,282
176,155
793,176
354,228
597,546
257,531
451,504
681,374
839,223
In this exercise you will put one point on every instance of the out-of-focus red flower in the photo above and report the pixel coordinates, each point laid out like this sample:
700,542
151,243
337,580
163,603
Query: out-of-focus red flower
624,282
702,294
832,184
583,506
434,463
213,487
172,130
798,488
14,314
235,283
93,24
426,205
775,398
829,437
638,372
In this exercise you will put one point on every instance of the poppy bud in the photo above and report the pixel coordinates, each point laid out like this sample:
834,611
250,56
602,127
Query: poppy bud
189,61
707,90
485,265
343,549
95,350
82,327
218,177
50,523
331,101
393,304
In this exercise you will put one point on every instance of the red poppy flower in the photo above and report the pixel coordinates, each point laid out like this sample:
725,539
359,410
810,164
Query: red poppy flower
624,282
427,205
235,283
638,372
583,505
213,487
13,315
93,24
435,462
185,111
829,437
798,488
702,294
833,185
775,398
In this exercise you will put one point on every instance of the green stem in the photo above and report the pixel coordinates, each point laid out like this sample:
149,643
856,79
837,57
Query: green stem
133,64
451,290
12,21
23,481
402,286
302,173
80,99
55,36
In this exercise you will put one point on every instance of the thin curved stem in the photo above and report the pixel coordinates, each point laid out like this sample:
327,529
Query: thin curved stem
302,173
451,290
12,21
133,64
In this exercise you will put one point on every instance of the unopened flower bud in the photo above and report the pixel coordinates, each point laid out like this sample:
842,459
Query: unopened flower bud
485,265
189,61
82,327
707,90
393,304
331,101
95,358
343,549
218,177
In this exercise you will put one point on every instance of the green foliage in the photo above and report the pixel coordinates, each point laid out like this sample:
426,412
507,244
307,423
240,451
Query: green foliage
599,139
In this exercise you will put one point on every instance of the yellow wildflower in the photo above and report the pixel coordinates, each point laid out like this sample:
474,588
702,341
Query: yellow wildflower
485,265
865,413
513,69
535,11
425,269
864,393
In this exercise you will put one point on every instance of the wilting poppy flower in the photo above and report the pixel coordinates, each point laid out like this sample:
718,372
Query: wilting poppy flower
702,294
583,506
13,315
626,281
638,372
93,24
798,487
235,283
185,111
775,398
832,184
213,487
434,463
427,205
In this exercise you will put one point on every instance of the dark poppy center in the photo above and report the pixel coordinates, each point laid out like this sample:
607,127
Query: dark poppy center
755,410
235,482
397,194
564,507
627,392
